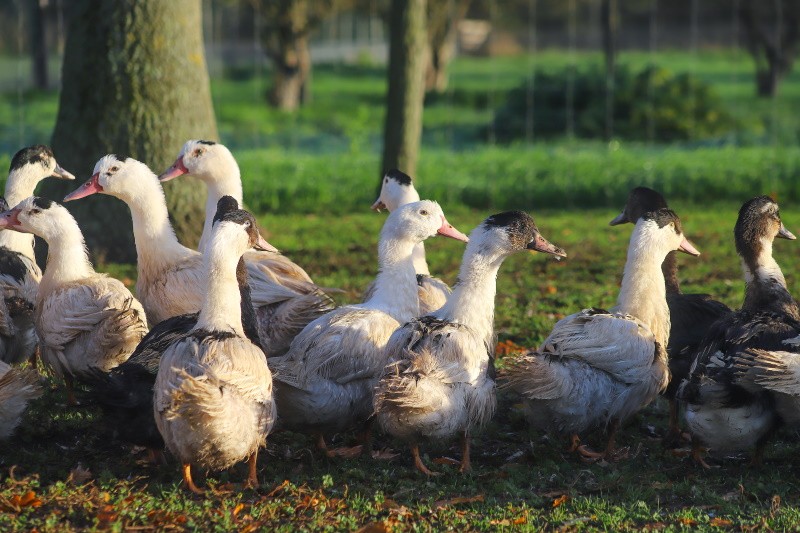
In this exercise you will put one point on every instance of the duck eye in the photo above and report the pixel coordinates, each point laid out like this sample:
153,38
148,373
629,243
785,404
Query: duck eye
246,223
386,180
113,169
35,211
423,213
198,152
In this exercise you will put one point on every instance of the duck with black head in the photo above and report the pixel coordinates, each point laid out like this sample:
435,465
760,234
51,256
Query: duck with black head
723,411
19,273
213,402
597,368
440,381
691,315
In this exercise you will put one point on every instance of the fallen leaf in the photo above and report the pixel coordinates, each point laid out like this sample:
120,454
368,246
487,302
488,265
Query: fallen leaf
561,500
775,505
721,522
79,475
521,520
106,515
16,503
687,521
446,461
373,527
278,488
237,509
455,501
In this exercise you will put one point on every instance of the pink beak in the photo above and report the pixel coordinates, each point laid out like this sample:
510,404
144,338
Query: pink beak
262,244
378,205
91,186
177,169
9,219
449,231
687,248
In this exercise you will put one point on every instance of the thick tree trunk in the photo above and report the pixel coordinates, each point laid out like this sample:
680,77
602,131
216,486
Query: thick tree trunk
292,69
772,32
443,18
38,38
134,83
406,87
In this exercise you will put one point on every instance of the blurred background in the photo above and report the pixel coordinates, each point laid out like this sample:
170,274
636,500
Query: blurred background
523,103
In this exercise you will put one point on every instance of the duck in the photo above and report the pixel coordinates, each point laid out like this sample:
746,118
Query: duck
721,413
18,386
125,394
19,273
691,315
599,367
440,378
294,299
324,383
84,320
213,401
397,189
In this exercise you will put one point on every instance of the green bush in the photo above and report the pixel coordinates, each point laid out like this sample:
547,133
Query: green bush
654,104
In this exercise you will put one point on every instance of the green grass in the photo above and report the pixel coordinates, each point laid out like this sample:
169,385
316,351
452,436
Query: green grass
519,476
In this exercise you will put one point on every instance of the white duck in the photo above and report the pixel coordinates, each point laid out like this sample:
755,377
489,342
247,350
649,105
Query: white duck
597,367
397,189
213,393
19,273
296,300
324,384
84,320
18,386
442,381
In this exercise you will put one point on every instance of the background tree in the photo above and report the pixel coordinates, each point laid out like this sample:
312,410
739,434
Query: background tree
609,19
443,19
772,32
134,83
406,87
38,38
286,25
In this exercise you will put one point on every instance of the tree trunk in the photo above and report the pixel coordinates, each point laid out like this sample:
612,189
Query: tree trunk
443,18
609,19
38,37
292,69
772,39
134,83
406,87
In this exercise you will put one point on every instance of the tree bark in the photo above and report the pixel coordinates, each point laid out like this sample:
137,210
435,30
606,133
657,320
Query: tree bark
609,19
292,68
406,87
443,18
38,37
135,83
773,47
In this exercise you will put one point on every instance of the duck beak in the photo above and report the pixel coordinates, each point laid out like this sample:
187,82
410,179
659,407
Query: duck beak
91,186
378,205
177,169
784,233
9,219
688,248
622,218
540,244
448,230
62,174
264,246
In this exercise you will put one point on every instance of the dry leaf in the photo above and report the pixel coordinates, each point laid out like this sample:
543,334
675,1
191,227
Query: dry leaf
16,503
687,521
79,475
521,520
446,461
721,522
106,515
373,527
455,501
237,509
561,500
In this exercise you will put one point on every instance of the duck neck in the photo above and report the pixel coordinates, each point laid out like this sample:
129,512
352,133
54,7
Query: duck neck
21,184
418,257
765,286
221,309
670,270
67,258
472,300
230,185
156,243
396,284
643,292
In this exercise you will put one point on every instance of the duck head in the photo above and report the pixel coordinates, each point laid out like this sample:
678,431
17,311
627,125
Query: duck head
239,228
31,165
507,233
208,160
659,232
114,175
397,189
418,221
36,215
758,225
641,200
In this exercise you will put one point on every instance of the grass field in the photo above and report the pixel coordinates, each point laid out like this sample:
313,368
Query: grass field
310,177
69,474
